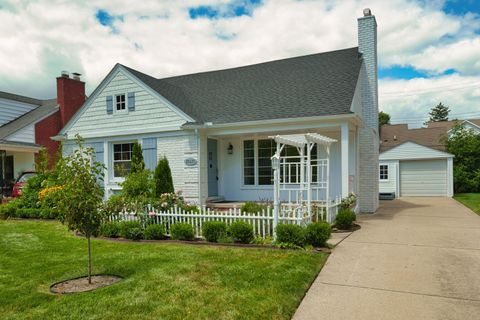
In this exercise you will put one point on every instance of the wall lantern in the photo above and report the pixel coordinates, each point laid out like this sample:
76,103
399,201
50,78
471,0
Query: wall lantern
230,149
275,162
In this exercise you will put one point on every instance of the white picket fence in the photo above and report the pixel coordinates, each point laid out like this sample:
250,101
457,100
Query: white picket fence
261,222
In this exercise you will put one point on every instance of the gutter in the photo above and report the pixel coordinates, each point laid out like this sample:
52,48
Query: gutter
210,125
59,137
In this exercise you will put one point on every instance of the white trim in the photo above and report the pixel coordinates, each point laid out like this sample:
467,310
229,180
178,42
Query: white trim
124,132
121,111
344,145
19,148
450,177
111,160
439,154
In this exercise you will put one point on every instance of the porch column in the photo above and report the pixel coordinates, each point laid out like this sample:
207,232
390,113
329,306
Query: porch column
344,158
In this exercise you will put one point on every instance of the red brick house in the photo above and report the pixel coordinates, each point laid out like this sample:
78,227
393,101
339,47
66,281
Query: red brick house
26,125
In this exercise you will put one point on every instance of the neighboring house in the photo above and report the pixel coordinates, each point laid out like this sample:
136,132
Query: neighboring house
214,127
413,162
26,125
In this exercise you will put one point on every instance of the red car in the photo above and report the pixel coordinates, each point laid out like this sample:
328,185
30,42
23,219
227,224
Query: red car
22,179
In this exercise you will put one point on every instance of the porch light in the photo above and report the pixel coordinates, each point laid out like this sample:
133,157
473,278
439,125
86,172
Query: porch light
230,149
275,162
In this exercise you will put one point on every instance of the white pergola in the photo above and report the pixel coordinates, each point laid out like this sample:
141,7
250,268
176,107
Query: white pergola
302,168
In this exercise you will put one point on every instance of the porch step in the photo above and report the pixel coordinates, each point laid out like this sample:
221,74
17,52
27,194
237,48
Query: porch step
215,199
224,206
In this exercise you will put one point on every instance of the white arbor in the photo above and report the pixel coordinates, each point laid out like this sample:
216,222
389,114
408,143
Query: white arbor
304,179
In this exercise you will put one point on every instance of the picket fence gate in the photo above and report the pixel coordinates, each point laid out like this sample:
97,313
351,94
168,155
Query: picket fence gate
261,222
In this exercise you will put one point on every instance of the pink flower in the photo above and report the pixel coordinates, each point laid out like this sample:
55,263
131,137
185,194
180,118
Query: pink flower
152,213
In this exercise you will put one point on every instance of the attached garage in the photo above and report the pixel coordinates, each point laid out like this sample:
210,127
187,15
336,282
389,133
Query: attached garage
413,170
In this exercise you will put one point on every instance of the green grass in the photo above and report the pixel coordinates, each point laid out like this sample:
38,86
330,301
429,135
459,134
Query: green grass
162,280
470,200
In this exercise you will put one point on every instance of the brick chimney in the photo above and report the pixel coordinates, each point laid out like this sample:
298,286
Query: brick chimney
70,95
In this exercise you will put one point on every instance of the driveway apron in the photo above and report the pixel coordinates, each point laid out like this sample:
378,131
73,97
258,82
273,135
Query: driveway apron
416,258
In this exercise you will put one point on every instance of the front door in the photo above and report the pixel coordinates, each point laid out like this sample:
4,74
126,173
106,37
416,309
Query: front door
212,168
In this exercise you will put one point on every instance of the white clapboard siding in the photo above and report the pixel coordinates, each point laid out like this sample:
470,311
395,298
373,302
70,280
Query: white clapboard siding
389,185
150,111
423,178
411,151
26,134
11,110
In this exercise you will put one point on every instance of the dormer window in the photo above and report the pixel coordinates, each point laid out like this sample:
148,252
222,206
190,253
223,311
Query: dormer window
120,102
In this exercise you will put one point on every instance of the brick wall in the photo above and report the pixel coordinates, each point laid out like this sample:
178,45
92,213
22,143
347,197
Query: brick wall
368,175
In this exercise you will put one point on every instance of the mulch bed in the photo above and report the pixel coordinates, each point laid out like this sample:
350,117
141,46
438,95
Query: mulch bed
355,227
81,284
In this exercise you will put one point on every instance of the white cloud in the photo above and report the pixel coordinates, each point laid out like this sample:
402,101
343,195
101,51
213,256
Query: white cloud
43,37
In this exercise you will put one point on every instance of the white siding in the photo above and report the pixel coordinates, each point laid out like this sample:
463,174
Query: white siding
423,178
150,112
177,149
22,161
26,134
390,185
10,110
410,150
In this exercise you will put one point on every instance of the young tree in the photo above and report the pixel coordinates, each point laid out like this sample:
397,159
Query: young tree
464,144
80,197
137,158
439,113
163,178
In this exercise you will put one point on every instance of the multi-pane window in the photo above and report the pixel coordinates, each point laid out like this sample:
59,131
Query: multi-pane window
120,102
383,172
266,149
122,158
262,173
248,162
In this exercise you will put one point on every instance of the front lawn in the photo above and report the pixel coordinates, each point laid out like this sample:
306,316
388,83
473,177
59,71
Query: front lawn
471,200
162,281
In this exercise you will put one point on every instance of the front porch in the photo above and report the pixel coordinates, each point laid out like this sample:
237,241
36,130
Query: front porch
15,158
238,166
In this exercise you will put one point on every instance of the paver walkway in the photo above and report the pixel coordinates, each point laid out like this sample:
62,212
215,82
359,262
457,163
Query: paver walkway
417,258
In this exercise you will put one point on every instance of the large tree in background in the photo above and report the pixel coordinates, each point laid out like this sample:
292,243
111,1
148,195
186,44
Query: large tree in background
439,113
464,144
383,118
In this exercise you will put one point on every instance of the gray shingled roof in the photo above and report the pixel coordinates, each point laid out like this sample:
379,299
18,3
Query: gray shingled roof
313,85
45,108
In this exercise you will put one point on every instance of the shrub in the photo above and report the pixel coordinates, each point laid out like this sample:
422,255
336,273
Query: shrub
317,234
135,233
253,207
155,232
241,232
111,229
345,219
125,226
9,209
34,213
182,231
291,234
163,178
138,185
214,230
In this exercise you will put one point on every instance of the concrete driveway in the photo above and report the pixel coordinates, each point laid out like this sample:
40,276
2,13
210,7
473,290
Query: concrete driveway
417,258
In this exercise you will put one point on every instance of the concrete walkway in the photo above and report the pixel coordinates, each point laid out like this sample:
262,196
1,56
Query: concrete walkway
417,258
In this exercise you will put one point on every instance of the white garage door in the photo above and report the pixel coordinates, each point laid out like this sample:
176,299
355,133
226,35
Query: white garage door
423,178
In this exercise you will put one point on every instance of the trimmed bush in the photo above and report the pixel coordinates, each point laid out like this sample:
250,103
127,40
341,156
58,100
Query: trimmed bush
163,178
317,234
111,229
9,209
214,230
134,233
125,226
34,213
291,234
253,207
155,232
241,232
182,231
345,219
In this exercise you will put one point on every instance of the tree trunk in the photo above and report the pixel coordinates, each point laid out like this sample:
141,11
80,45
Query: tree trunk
89,262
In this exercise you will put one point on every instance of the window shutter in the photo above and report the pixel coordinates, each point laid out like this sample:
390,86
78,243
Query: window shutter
149,147
131,101
98,156
109,104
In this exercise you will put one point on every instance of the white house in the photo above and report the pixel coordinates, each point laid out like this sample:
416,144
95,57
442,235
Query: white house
215,127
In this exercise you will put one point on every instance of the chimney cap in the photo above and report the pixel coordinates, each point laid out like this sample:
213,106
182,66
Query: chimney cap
76,75
367,12
65,74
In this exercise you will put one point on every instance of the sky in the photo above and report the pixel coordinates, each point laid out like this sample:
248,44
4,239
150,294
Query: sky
428,51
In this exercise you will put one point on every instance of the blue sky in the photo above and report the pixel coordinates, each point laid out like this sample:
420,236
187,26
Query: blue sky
428,50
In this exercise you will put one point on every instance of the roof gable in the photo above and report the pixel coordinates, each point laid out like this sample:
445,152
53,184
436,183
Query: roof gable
313,85
411,150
